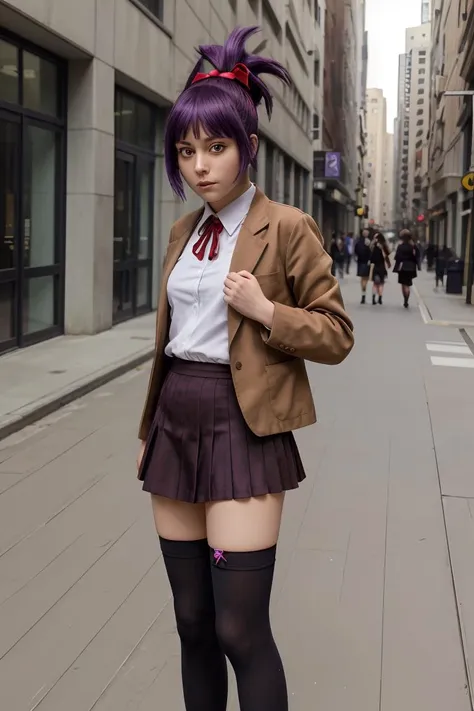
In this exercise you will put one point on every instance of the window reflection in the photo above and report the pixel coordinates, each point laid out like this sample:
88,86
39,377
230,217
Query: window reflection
9,81
39,196
40,84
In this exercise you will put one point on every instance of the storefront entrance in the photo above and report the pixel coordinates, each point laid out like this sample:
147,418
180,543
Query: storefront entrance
31,196
134,197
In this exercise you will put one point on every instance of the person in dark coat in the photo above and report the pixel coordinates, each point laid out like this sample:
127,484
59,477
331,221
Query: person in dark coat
407,263
379,263
363,254
442,258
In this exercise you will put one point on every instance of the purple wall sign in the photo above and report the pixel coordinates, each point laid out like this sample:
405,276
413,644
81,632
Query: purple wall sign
332,165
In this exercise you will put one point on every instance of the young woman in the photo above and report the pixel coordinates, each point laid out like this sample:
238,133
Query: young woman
246,296
379,261
363,255
407,263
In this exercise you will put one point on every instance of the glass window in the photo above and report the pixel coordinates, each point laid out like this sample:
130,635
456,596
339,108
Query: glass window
39,197
9,83
297,200
143,286
128,120
38,308
269,171
40,84
7,311
134,121
145,127
9,159
146,228
154,6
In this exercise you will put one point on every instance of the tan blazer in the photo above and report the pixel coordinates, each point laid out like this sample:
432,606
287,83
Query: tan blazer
282,247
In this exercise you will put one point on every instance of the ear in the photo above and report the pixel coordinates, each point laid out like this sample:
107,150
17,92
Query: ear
254,143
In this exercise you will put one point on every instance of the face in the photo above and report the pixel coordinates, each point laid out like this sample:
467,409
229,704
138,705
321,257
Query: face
210,166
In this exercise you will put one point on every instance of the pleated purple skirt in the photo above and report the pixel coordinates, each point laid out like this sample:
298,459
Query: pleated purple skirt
200,448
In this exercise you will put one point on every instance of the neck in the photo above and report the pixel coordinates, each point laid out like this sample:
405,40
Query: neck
235,193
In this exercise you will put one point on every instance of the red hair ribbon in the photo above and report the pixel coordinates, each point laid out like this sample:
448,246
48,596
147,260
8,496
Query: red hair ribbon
239,73
210,229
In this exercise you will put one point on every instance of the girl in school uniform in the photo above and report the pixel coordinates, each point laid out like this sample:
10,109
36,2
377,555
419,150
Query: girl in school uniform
247,296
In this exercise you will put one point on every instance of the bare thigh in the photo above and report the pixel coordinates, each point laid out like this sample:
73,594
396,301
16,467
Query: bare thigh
177,520
244,525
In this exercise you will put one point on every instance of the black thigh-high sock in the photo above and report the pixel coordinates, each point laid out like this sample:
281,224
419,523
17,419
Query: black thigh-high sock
203,663
242,586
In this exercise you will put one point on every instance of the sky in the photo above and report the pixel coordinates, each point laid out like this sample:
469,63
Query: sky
386,22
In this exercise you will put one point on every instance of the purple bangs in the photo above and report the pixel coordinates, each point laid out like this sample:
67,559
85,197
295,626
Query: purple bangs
224,109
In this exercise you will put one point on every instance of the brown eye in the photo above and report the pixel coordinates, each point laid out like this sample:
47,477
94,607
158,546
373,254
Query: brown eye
217,148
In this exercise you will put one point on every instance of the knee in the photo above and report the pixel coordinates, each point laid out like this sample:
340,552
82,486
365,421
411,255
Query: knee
234,638
192,623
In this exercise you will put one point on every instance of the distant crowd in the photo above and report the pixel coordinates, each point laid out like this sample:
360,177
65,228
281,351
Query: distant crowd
372,253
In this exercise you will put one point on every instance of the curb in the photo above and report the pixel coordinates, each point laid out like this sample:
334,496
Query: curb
429,321
33,412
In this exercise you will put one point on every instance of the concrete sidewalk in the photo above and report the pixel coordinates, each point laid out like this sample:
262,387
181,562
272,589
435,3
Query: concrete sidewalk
38,380
373,602
441,309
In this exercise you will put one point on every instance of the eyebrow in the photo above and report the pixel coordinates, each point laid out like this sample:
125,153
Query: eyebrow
209,139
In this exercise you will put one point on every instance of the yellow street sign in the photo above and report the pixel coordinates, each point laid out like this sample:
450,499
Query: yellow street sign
468,181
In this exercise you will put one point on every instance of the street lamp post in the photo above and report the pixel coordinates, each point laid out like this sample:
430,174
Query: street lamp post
470,255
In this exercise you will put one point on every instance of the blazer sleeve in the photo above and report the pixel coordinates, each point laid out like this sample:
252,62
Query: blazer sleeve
317,328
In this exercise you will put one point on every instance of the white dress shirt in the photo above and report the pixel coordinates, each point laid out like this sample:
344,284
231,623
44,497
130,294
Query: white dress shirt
198,330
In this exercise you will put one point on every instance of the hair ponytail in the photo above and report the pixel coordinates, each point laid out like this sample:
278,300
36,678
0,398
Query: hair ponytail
225,57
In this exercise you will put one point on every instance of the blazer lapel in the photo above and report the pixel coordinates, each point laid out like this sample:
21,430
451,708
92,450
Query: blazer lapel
251,244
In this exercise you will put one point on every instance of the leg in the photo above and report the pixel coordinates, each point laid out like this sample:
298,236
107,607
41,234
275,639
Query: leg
363,286
245,534
182,531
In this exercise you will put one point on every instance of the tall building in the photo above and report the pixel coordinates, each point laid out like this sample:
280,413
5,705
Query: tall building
387,187
338,171
425,11
85,208
376,146
450,132
412,123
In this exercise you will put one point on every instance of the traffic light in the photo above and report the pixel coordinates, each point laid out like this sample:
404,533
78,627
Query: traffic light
366,211
359,211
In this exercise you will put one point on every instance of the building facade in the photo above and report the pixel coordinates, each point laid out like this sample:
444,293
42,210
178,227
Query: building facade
85,87
338,166
376,140
412,125
387,216
448,203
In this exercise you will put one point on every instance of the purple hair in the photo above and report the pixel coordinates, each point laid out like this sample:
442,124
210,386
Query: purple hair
223,107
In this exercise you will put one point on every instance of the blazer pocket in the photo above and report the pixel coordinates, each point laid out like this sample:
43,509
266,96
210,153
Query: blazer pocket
288,399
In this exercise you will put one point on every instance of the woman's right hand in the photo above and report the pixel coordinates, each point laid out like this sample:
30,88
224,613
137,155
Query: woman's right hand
141,452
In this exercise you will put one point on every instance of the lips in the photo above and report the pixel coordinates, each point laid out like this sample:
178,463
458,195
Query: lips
205,184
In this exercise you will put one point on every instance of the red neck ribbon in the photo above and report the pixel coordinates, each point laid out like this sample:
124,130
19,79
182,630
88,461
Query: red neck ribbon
209,230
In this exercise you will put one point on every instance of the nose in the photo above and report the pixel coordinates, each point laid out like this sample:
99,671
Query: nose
200,165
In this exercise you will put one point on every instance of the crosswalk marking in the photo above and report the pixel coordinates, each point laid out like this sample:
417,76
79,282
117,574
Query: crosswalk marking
453,362
460,356
458,348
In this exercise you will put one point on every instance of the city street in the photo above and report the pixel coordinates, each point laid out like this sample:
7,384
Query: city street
373,604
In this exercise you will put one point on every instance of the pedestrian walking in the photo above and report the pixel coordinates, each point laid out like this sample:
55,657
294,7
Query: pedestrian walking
380,261
349,249
407,263
442,258
363,255
246,296
337,251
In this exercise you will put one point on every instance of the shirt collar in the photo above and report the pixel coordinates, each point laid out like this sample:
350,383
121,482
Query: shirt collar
233,214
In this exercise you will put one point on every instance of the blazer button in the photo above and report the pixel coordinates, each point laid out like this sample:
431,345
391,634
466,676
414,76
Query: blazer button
281,346
292,350
238,365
